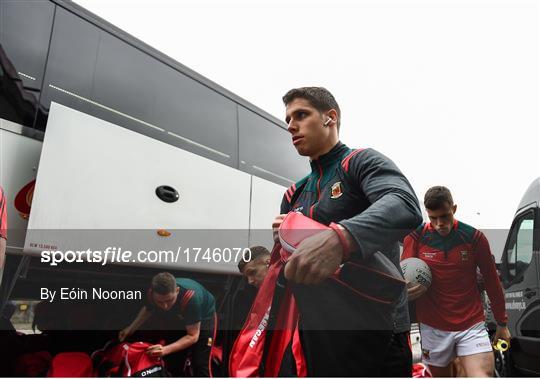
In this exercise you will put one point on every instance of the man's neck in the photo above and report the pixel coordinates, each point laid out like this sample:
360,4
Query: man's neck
329,146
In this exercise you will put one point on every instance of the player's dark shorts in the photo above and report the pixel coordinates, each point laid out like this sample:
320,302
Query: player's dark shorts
398,358
344,335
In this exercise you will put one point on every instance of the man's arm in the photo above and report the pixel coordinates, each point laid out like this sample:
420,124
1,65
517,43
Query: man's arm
410,244
492,283
186,341
143,316
410,250
394,209
393,213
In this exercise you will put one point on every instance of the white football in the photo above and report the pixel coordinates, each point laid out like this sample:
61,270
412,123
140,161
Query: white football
416,271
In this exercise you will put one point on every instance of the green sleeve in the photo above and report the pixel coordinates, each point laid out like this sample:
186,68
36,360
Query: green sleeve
193,312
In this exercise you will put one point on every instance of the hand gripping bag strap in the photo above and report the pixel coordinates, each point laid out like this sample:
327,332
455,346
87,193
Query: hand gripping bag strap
376,279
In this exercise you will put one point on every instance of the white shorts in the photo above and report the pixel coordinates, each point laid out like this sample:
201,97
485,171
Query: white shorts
440,348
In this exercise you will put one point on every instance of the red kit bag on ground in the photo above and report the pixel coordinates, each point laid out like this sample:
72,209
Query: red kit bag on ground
33,364
135,361
107,360
71,365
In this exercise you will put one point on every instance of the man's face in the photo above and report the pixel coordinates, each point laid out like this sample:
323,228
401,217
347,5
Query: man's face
165,302
442,219
256,270
305,123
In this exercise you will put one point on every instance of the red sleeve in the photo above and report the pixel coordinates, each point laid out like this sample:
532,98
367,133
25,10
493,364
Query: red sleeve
409,246
3,215
486,263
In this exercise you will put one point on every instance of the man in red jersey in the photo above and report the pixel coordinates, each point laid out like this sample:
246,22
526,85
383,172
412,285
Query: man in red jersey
450,311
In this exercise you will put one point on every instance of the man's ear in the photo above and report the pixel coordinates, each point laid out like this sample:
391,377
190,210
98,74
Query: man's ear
454,208
332,117
267,262
177,290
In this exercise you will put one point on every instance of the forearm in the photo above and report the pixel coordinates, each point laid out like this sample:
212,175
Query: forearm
492,282
182,344
142,317
496,299
386,221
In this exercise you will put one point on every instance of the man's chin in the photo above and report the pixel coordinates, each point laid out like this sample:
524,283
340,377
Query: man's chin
302,151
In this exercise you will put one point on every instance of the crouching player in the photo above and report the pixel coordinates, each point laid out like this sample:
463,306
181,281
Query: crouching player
186,300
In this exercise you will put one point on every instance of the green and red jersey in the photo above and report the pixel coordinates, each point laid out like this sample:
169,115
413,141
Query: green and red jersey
453,301
366,193
193,304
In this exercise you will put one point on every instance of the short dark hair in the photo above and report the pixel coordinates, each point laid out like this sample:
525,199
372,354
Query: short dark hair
256,253
163,283
437,197
319,97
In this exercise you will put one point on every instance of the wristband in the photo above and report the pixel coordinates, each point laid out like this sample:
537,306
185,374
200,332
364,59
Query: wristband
502,324
343,240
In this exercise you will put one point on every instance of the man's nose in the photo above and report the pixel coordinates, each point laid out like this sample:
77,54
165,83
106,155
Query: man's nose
292,127
251,281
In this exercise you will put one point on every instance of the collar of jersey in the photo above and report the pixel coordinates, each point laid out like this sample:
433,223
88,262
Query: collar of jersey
335,155
454,227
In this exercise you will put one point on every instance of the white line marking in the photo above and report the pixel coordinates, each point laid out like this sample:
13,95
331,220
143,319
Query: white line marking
272,173
199,145
105,107
137,120
26,76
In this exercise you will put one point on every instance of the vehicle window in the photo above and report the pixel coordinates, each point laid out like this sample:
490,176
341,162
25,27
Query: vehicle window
520,247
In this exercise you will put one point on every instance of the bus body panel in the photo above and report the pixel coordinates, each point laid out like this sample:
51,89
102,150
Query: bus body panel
96,177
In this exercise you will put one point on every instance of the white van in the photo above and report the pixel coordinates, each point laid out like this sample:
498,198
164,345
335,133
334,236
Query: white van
520,275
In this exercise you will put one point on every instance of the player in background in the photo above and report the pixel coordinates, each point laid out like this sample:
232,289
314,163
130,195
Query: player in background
450,312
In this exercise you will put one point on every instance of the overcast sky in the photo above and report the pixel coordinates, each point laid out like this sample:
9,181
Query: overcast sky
447,89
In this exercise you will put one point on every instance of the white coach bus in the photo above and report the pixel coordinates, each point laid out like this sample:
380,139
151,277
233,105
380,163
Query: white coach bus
101,133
